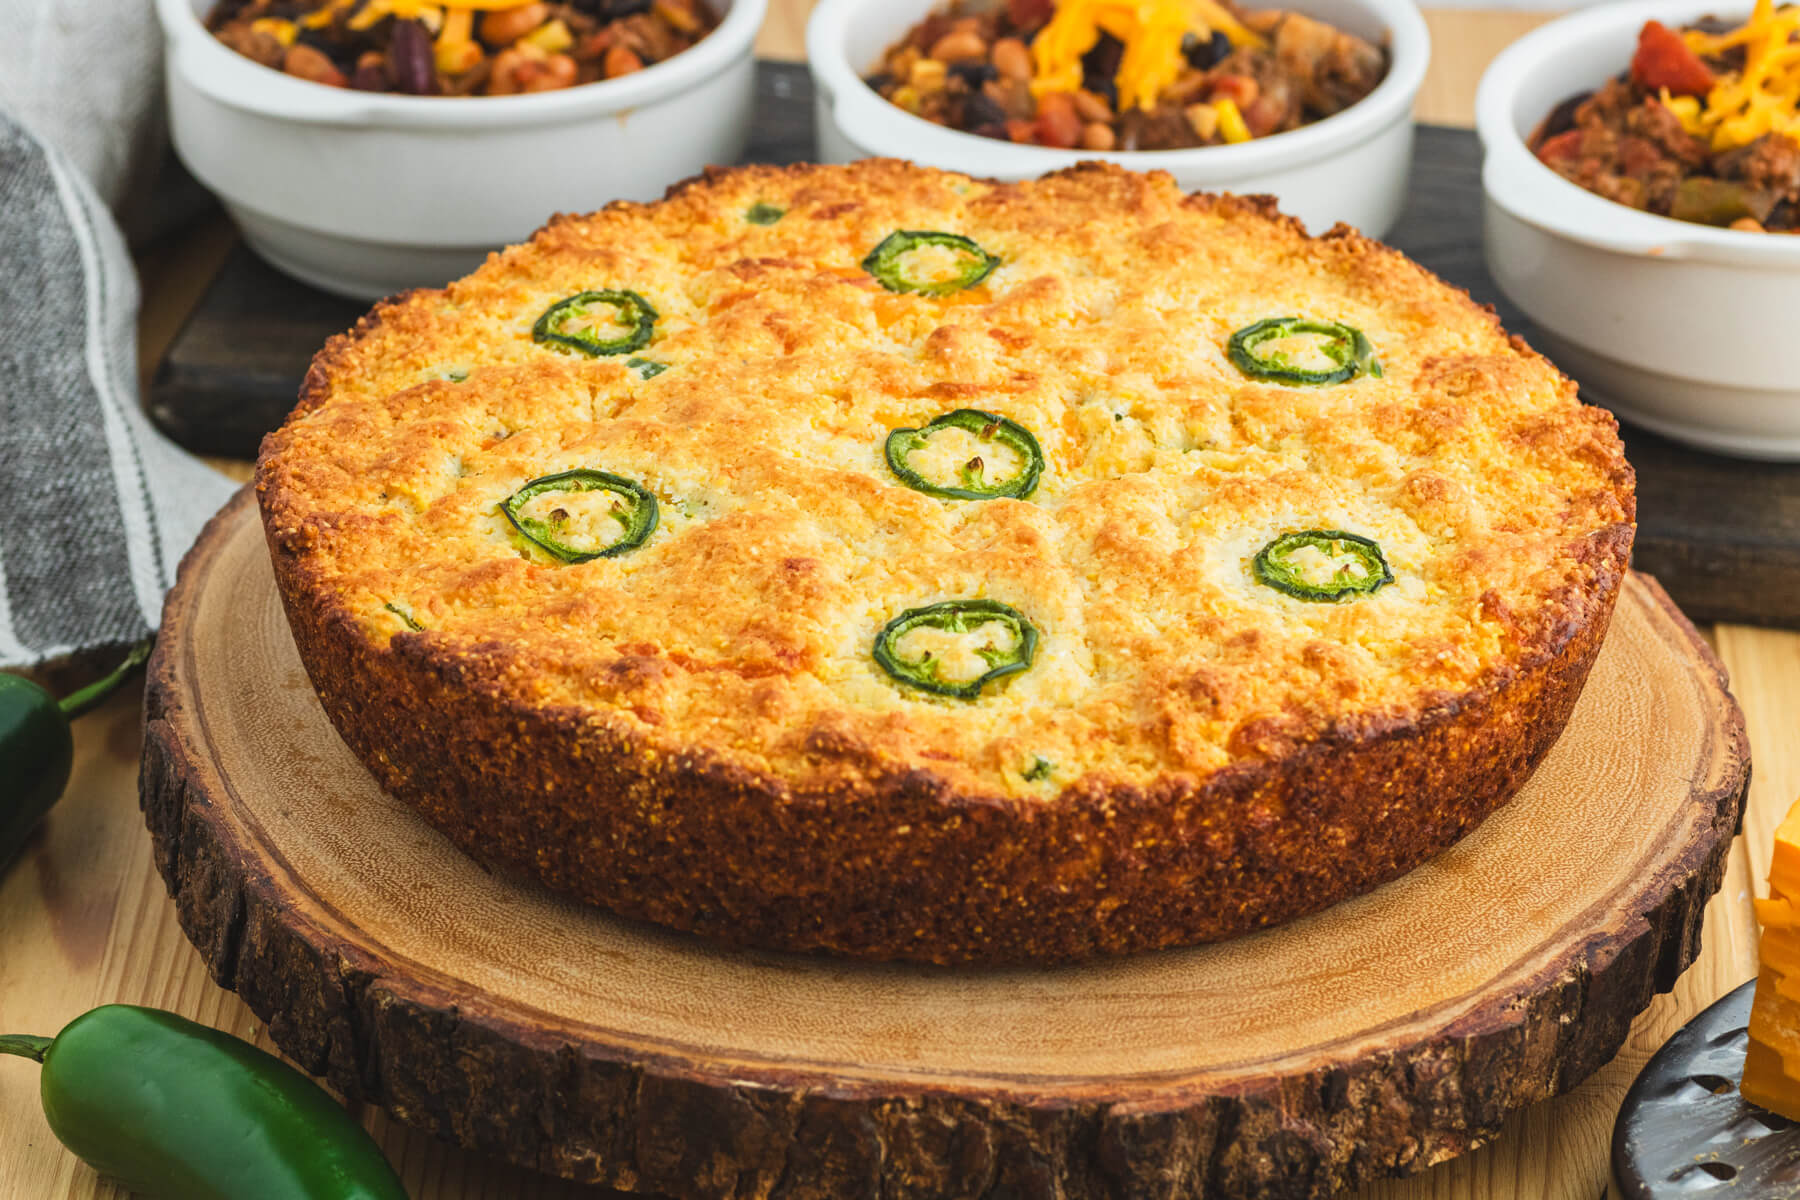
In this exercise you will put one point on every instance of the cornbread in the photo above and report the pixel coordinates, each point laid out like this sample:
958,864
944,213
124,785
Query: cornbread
743,723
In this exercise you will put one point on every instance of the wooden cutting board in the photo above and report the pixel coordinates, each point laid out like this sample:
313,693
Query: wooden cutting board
1387,1034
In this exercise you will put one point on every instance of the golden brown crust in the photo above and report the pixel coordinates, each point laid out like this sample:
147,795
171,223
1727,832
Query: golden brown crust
1232,761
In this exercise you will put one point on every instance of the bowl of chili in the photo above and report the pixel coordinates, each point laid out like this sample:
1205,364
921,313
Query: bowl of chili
366,192
1680,326
1350,166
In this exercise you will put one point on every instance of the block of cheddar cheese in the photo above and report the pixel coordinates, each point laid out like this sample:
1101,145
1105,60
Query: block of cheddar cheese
1772,1063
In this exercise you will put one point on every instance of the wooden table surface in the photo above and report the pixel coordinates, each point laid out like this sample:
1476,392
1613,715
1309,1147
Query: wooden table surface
86,920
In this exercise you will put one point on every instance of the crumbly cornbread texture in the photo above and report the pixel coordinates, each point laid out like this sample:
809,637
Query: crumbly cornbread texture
696,730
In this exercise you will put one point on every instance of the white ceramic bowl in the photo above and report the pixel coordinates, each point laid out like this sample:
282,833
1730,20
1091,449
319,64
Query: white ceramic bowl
1684,329
1351,167
366,194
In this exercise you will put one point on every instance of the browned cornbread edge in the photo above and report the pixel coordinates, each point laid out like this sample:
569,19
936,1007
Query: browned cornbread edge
893,862
705,846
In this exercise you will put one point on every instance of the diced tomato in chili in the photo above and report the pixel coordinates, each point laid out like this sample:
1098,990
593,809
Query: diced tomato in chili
1058,123
1241,90
1663,60
1564,145
1022,131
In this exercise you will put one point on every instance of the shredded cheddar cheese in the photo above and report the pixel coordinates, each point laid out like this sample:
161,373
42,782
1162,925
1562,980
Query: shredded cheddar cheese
431,12
455,49
459,26
320,18
1151,30
552,37
282,31
1231,121
1762,98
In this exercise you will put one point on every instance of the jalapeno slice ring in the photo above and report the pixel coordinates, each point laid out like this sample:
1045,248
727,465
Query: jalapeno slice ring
1258,351
964,264
1326,566
1002,458
575,324
577,536
907,650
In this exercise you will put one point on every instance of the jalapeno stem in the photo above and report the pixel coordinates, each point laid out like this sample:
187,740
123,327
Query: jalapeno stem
85,700
25,1046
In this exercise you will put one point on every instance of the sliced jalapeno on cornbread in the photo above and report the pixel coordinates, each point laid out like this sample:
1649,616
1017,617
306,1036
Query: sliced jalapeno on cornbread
956,647
581,515
406,618
597,323
647,368
1039,770
929,263
967,455
1323,565
763,214
1299,350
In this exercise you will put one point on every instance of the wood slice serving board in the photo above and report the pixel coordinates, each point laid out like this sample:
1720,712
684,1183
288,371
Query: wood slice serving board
1382,1036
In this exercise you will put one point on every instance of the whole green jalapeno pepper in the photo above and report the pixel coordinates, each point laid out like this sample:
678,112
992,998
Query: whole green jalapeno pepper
179,1111
37,749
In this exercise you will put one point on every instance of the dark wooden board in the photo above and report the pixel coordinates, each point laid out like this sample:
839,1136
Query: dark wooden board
1685,1131
1722,535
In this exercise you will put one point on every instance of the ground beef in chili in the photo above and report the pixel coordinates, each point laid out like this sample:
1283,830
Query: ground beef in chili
970,66
1625,142
450,49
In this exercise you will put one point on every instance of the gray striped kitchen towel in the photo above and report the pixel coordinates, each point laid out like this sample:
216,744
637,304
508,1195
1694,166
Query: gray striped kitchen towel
96,507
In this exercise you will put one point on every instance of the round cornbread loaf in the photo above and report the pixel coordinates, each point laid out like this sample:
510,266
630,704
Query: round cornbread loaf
694,729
